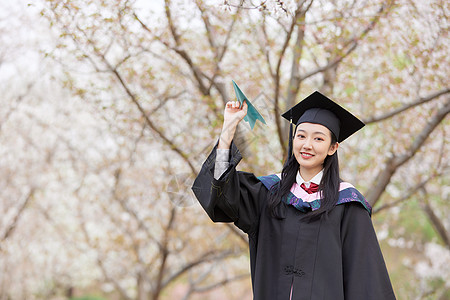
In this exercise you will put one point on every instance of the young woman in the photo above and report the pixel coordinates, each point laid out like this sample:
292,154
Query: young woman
310,234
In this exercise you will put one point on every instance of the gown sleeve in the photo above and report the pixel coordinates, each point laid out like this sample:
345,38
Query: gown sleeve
364,270
234,197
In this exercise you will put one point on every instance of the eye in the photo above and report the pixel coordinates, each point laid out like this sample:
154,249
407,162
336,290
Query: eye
319,139
300,136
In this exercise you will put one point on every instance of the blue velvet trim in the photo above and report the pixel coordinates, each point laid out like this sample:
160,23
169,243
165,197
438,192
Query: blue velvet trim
346,195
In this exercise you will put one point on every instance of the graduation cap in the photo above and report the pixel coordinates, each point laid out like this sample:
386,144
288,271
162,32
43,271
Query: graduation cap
252,114
319,109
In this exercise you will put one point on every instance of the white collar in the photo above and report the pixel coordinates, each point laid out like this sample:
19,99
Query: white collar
316,179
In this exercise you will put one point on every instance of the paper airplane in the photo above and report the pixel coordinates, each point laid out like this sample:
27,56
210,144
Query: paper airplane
252,112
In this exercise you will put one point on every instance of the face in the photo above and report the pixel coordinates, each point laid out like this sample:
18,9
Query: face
311,145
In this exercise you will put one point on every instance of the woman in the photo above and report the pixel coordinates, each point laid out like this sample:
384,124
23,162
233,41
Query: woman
310,234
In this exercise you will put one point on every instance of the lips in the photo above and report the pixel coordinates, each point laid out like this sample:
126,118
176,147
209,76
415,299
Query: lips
306,155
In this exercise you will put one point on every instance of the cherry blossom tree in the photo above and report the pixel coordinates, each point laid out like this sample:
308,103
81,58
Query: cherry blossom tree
101,144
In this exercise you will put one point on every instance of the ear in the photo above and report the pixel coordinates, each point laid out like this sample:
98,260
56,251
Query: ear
333,148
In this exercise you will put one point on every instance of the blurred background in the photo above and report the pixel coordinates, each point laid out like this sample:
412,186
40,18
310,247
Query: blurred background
109,108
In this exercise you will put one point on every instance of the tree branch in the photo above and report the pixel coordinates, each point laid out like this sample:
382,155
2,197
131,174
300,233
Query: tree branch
434,219
264,45
134,99
163,101
294,80
421,138
125,207
100,262
277,80
350,45
384,176
204,289
14,105
414,103
219,51
12,225
220,54
205,257
208,27
164,254
182,53
406,197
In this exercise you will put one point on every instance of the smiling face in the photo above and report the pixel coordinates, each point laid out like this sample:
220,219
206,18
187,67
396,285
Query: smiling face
311,145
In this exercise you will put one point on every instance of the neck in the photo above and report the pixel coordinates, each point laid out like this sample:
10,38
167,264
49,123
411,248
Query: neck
308,174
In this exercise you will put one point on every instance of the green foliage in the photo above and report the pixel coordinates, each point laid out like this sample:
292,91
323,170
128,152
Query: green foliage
401,61
416,224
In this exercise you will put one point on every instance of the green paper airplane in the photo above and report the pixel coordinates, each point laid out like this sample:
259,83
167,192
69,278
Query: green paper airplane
252,113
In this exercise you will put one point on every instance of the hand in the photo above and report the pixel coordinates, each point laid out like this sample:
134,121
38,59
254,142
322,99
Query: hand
232,116
233,113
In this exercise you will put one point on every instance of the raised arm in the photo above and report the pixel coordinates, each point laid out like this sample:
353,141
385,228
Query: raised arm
233,196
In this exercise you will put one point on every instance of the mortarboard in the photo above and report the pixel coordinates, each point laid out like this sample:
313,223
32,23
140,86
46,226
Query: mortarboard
319,109
252,113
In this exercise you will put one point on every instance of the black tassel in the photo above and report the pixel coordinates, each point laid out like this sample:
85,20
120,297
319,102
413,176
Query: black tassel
290,137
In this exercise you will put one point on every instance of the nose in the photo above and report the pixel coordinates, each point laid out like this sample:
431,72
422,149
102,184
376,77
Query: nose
307,144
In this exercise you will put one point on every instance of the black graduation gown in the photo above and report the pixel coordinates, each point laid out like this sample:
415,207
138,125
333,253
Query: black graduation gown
332,258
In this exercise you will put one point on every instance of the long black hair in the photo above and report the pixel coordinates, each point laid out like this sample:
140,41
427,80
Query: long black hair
328,187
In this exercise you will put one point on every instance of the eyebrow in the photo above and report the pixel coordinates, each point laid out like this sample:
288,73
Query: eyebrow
316,132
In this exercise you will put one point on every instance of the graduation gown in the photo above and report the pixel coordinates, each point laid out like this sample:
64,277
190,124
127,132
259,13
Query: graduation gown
333,258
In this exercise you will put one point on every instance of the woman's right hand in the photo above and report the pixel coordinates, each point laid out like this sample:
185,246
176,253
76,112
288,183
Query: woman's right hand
233,114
